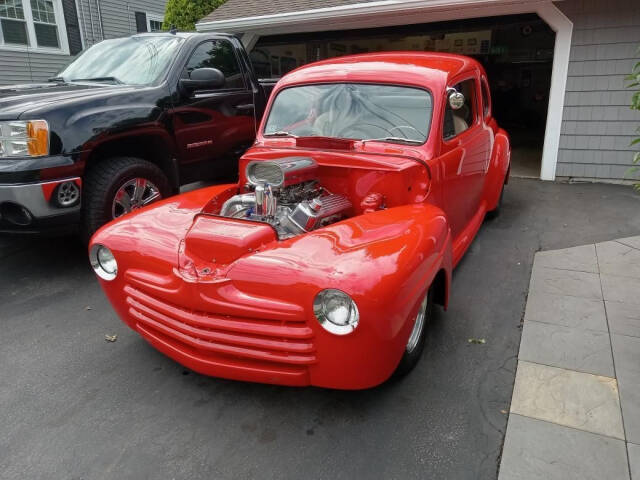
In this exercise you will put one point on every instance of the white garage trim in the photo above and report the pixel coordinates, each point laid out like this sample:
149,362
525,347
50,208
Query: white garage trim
396,12
564,29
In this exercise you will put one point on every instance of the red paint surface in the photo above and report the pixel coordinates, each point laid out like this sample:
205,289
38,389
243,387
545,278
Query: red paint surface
225,298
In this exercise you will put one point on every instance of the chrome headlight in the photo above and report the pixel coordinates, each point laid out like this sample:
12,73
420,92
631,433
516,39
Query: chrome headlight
24,138
103,262
336,311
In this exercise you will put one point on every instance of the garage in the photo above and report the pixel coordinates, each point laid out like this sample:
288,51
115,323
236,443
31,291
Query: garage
524,47
516,51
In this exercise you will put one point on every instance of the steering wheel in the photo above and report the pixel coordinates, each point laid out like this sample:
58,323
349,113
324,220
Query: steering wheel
358,127
420,134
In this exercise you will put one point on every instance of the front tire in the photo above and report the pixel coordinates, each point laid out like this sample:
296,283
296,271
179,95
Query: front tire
417,338
118,185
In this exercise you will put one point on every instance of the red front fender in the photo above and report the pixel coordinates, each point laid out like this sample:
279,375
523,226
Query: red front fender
384,260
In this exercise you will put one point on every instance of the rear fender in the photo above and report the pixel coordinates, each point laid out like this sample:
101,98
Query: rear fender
499,167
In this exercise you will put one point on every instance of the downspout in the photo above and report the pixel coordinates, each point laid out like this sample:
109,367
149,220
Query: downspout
84,24
93,33
100,19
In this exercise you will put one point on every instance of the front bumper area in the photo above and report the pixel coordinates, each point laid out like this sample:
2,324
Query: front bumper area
31,208
238,348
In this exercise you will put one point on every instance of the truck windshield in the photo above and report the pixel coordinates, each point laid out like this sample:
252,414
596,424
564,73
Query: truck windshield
139,60
353,111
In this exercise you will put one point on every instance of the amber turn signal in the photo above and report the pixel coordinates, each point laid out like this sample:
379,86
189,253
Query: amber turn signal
38,138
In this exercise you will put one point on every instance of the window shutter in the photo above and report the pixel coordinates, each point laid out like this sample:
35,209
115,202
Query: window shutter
141,22
73,26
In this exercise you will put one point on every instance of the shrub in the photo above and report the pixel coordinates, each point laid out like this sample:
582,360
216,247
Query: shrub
185,13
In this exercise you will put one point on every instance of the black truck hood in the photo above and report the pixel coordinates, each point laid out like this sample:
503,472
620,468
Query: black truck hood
15,100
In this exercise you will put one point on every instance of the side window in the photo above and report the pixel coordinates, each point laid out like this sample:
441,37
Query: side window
457,121
217,54
485,99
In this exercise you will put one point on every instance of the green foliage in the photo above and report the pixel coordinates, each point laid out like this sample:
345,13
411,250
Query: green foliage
634,80
185,13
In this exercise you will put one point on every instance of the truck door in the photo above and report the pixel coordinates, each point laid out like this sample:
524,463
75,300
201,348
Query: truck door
211,124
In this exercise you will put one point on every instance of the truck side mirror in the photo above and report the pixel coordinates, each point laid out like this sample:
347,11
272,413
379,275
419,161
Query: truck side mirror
456,99
203,79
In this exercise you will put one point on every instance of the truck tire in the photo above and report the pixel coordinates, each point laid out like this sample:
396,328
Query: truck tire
417,338
137,182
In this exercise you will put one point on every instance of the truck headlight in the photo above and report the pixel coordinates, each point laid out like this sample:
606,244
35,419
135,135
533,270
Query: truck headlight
103,262
24,138
336,311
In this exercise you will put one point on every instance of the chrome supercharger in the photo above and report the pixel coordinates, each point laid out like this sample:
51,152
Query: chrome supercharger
287,195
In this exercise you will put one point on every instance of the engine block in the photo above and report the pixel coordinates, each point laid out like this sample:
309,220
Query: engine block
292,207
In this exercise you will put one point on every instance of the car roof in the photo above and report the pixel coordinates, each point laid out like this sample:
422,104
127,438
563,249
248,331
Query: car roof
426,69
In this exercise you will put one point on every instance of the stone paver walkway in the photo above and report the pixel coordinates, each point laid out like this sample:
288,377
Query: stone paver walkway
575,410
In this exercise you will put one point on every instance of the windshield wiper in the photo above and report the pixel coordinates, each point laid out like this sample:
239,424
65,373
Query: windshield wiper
98,79
394,140
280,133
56,79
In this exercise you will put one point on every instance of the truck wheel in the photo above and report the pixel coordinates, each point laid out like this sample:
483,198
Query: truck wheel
417,338
117,186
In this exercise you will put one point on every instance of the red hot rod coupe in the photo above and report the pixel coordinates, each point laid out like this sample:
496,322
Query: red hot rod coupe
368,180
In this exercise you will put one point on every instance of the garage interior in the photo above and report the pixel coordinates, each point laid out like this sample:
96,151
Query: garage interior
516,51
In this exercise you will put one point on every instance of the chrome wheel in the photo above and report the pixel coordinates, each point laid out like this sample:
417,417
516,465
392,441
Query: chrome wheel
418,326
132,195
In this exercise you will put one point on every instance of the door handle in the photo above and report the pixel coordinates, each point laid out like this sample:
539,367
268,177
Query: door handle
244,106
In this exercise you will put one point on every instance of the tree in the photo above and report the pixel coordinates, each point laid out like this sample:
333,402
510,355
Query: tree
634,78
185,13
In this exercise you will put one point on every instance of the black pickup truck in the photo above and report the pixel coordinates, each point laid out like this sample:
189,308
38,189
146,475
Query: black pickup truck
127,123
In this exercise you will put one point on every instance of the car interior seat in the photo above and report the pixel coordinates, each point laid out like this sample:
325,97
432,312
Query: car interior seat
459,122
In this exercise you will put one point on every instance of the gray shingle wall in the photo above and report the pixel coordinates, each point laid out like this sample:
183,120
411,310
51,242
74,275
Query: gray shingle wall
118,20
17,67
597,123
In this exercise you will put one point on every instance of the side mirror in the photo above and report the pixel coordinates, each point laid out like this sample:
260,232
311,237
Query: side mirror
203,79
456,99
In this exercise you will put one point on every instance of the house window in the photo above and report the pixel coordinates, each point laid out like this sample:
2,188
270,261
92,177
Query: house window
30,23
44,23
154,23
13,23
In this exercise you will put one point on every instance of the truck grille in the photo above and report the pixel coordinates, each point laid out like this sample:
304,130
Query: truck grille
209,335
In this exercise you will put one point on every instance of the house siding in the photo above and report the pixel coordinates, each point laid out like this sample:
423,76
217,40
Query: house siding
118,20
20,67
598,124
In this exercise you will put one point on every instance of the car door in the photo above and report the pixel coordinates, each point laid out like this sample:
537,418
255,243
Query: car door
210,124
465,155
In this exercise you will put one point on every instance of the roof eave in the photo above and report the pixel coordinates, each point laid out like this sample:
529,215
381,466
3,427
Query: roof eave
343,14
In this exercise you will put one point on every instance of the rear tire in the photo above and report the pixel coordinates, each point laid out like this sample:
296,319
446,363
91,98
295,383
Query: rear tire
115,175
417,339
496,211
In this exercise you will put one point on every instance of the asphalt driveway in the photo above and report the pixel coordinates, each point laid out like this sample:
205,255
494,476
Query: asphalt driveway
74,406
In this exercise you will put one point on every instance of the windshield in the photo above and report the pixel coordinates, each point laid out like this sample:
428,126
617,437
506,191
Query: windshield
140,60
353,111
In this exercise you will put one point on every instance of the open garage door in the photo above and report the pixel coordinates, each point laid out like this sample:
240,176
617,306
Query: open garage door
516,50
